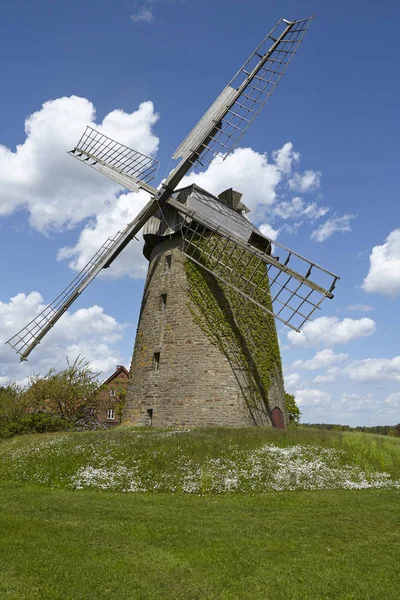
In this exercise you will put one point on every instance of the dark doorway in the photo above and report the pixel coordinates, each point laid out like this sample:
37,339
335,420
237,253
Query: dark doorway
277,419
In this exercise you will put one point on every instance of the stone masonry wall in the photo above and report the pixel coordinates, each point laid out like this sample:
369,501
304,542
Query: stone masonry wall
178,376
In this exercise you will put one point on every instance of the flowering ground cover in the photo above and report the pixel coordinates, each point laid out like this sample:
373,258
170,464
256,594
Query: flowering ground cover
203,461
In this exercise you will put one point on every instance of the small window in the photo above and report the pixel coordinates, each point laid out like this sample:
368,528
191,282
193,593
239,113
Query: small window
112,393
163,301
111,414
149,416
156,361
168,262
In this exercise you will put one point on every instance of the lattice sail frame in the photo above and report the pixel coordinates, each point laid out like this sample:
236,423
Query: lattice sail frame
229,117
38,327
291,296
130,168
30,336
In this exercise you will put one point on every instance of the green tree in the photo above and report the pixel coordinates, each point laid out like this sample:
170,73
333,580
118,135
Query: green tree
13,405
293,410
71,393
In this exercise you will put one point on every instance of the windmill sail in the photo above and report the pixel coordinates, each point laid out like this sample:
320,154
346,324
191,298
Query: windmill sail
227,120
290,287
130,168
30,336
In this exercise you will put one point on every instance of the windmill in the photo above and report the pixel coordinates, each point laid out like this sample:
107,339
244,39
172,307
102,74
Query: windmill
206,350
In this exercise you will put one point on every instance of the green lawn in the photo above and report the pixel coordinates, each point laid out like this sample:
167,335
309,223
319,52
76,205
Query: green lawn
61,544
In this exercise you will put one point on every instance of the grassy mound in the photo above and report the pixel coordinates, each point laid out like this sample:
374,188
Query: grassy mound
203,461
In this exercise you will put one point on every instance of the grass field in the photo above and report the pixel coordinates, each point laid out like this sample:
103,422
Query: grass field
57,542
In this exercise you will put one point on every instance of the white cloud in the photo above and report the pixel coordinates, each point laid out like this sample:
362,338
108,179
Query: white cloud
305,182
298,209
360,307
330,376
367,404
292,380
336,223
321,360
393,400
330,331
42,179
310,398
113,218
144,15
245,170
269,231
313,212
375,369
259,180
285,157
356,403
384,271
88,332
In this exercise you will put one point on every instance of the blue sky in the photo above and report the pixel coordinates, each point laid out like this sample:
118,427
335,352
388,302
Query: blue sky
149,70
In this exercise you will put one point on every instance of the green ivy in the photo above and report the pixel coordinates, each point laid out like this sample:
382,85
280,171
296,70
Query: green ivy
243,332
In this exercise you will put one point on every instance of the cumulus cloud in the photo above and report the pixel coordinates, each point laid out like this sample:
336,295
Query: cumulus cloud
384,271
305,182
330,375
285,157
42,179
269,231
375,369
360,307
331,226
364,404
356,403
297,209
258,179
310,398
112,219
321,360
330,331
88,332
245,170
292,380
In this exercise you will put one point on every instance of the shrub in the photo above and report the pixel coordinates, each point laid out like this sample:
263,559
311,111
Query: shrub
36,423
12,404
70,393
293,410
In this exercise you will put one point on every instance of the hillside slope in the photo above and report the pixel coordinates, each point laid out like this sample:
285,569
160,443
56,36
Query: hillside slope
203,461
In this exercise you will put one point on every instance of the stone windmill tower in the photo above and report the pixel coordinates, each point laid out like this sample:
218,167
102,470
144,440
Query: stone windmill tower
206,350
